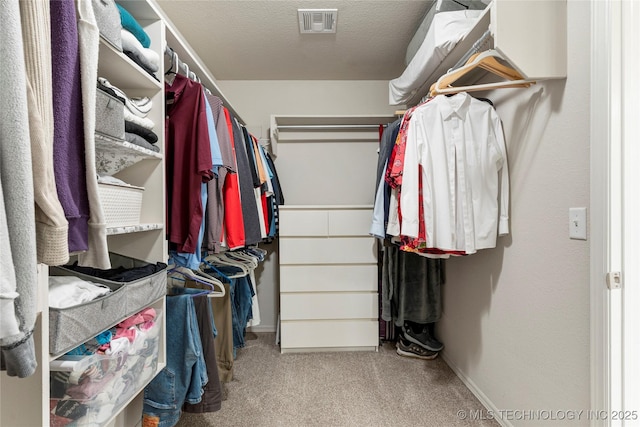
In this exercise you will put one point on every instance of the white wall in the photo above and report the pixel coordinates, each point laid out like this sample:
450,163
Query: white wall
256,101
516,318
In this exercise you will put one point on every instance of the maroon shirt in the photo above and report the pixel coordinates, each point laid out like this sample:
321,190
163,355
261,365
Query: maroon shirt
188,161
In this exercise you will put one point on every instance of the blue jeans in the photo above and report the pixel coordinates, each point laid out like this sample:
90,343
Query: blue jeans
185,375
241,293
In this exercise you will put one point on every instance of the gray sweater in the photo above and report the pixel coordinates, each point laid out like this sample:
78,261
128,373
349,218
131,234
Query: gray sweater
18,271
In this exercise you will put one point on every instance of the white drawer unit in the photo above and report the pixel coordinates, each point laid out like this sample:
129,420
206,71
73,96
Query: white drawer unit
327,250
328,279
328,305
328,335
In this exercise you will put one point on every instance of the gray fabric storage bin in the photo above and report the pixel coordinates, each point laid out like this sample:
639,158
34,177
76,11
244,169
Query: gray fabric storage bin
108,20
109,115
72,326
146,290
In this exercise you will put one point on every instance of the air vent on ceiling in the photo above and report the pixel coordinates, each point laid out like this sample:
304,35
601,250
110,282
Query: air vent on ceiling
317,20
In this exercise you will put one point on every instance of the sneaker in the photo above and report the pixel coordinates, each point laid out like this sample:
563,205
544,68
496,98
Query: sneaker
422,338
409,349
431,328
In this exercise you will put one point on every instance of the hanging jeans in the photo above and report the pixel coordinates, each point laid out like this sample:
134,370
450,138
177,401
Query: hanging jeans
212,393
241,293
185,375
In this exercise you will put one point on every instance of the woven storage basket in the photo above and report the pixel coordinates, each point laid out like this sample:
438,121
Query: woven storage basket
121,204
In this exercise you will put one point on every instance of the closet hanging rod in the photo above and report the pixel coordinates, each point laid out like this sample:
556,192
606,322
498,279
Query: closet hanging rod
477,47
320,127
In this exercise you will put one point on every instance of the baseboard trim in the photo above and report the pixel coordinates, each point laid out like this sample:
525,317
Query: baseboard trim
486,402
262,328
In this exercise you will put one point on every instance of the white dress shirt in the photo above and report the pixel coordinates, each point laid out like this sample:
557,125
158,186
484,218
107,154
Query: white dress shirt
460,145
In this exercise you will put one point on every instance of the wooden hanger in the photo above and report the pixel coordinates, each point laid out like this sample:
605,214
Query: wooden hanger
487,60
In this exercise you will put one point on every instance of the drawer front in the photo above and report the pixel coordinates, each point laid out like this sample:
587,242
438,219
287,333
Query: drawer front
337,250
350,222
329,333
328,278
323,306
303,223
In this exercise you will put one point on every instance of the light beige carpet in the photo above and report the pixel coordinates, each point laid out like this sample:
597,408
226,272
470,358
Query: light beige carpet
338,389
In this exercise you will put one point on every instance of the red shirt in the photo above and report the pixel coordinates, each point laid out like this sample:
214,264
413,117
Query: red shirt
188,161
233,219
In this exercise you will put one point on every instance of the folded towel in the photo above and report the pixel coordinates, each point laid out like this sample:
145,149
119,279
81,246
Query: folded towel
147,134
145,122
148,58
130,23
138,140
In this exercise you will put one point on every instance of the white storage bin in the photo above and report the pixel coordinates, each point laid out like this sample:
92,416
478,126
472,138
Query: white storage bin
121,204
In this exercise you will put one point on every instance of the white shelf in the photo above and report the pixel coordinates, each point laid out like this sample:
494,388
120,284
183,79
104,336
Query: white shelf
316,128
452,58
138,228
112,63
114,155
531,35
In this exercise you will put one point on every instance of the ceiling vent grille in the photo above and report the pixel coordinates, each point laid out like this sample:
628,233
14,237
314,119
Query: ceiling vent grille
317,21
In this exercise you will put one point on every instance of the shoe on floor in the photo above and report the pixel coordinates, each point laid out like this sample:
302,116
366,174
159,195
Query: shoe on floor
422,338
409,349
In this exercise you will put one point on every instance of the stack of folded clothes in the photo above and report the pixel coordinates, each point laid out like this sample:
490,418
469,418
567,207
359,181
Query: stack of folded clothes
138,128
136,42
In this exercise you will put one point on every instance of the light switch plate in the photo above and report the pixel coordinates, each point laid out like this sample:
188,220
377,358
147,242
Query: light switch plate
578,223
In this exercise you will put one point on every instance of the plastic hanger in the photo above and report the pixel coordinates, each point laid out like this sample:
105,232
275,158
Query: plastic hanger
174,63
213,259
242,256
202,273
209,282
487,60
231,260
171,72
257,249
214,268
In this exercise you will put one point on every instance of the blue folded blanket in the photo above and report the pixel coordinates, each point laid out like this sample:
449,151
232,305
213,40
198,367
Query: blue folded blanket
130,24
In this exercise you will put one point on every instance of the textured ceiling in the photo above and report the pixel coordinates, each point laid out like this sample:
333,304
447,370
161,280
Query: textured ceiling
259,39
